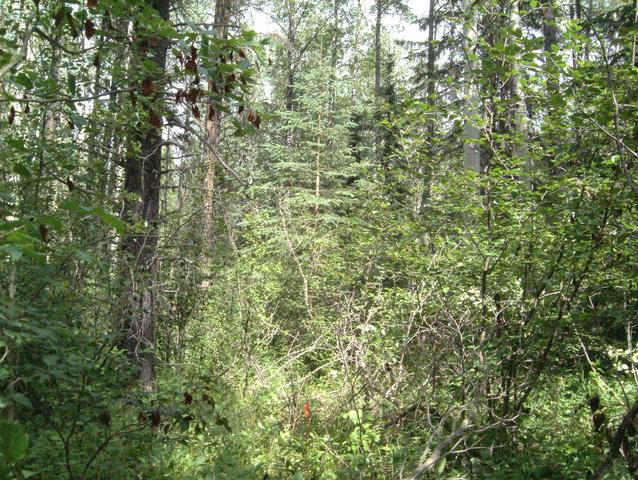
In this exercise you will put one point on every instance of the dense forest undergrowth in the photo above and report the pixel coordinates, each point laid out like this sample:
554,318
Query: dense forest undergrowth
278,239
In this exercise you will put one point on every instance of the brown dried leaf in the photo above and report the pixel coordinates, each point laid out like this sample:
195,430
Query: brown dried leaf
254,119
193,94
89,29
156,418
148,86
155,120
12,115
191,65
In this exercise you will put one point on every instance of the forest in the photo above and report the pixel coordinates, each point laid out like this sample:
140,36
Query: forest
285,240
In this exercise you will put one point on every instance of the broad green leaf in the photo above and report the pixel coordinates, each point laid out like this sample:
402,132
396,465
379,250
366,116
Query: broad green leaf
14,442
22,170
14,251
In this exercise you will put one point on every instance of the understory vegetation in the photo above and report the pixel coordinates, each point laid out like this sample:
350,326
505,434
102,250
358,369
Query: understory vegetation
280,239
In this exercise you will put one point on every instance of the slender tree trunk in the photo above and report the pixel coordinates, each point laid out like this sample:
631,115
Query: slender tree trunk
290,84
377,49
521,137
318,167
10,354
471,150
142,185
378,147
430,100
550,38
213,128
550,30
48,129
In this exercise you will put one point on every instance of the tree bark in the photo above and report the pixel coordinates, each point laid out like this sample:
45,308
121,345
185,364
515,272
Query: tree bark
626,423
141,210
430,100
520,123
471,150
290,84
213,128
378,147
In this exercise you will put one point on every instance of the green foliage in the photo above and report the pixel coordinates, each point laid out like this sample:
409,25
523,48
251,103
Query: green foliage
361,296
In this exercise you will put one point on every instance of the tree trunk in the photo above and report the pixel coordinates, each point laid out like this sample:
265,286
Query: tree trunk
377,50
378,147
213,128
430,100
471,151
550,31
550,37
290,84
520,124
142,186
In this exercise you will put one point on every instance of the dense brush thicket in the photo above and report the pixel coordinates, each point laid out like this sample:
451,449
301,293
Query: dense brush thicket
318,252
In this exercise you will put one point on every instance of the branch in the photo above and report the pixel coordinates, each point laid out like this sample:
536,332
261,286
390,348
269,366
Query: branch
616,443
64,99
59,46
227,167
18,55
436,455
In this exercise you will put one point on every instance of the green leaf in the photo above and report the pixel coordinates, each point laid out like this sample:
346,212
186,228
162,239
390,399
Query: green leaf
51,221
21,400
72,84
79,121
16,143
24,80
14,251
223,422
441,466
110,220
22,170
82,255
14,442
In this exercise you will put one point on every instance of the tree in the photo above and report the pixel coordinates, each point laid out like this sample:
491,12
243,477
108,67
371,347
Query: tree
142,184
